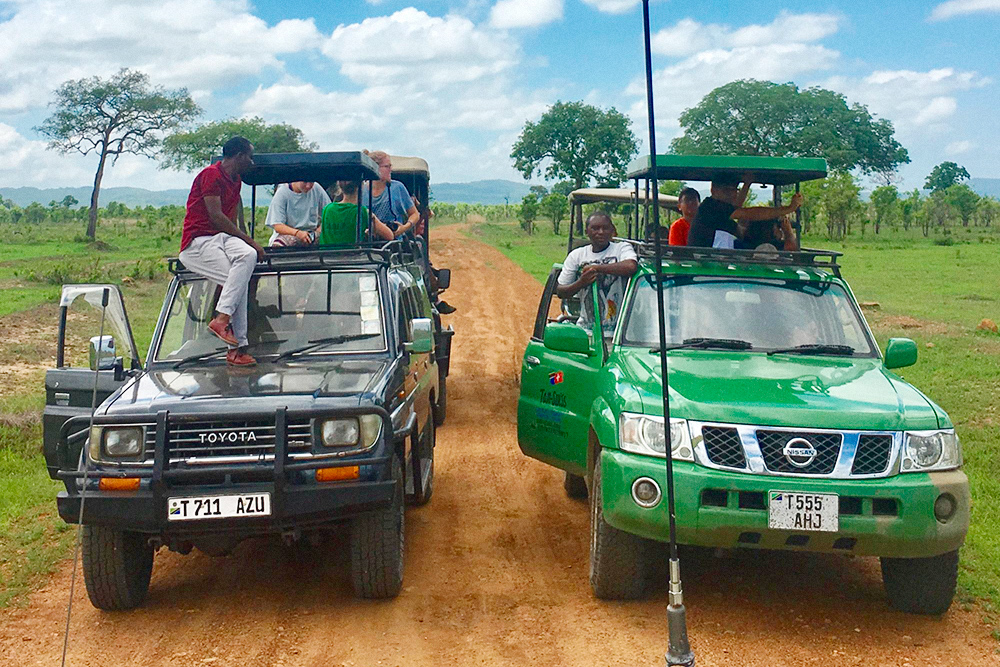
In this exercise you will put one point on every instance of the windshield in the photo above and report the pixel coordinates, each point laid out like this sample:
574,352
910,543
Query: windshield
319,312
767,314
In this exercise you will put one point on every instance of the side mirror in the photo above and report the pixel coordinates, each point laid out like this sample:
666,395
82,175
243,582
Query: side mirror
102,353
900,352
567,338
421,336
444,278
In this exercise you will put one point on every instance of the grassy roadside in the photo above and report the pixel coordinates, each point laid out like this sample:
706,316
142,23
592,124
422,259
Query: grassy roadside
935,295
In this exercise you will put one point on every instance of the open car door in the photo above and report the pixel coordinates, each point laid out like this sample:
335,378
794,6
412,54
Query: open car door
69,389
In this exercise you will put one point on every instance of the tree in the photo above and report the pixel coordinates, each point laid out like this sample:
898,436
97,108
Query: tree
563,188
122,114
963,200
191,151
69,201
527,212
944,176
554,206
539,191
885,201
841,202
937,211
909,208
672,188
751,117
988,211
580,142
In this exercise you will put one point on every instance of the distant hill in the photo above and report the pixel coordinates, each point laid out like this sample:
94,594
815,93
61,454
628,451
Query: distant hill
480,192
987,187
131,197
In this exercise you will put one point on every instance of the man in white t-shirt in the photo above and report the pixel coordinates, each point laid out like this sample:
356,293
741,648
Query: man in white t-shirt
610,264
295,212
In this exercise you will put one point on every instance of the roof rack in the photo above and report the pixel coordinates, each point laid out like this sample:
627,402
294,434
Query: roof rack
806,257
398,251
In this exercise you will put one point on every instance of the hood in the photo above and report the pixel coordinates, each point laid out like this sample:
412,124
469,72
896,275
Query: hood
215,387
782,390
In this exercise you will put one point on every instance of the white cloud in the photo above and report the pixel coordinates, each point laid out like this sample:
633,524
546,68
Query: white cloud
953,8
913,101
612,6
410,44
688,36
956,148
45,43
525,13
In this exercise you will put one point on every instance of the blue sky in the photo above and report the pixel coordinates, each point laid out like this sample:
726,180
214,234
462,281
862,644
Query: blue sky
454,81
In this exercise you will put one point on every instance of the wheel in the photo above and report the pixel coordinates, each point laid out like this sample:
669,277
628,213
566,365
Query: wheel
921,585
425,450
576,486
619,561
441,405
377,546
117,566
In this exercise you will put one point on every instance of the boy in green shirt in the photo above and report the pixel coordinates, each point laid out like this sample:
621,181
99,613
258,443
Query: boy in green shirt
340,219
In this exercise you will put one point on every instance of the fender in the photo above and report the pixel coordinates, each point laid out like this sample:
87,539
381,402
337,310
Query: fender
603,430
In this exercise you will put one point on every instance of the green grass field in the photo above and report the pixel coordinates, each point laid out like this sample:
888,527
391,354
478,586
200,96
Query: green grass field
934,294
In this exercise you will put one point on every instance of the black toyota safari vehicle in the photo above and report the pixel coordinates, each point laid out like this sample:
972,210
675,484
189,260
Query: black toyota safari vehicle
334,427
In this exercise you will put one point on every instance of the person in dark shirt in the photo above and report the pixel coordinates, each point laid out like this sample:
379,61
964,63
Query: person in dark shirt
715,224
778,233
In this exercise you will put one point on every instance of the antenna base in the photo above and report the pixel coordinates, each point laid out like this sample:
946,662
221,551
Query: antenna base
679,653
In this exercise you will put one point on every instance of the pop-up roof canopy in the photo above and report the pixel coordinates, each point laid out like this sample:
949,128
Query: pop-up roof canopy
410,165
616,195
323,168
764,170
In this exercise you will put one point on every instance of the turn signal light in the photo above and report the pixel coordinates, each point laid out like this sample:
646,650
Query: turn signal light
119,484
337,474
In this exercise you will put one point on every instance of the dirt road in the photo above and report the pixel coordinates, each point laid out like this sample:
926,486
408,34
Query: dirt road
496,570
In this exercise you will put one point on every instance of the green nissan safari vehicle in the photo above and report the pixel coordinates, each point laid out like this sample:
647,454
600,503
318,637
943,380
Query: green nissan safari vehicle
789,428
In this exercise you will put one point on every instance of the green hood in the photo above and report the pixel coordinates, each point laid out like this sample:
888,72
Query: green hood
783,390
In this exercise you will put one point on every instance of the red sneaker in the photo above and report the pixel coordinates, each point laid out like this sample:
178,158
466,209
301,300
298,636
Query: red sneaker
236,358
224,332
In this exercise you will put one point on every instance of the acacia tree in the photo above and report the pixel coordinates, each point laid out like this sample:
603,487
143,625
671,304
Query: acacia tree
944,176
749,117
580,142
122,114
191,151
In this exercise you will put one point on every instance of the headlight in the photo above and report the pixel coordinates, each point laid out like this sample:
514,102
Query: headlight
351,431
643,434
931,450
116,442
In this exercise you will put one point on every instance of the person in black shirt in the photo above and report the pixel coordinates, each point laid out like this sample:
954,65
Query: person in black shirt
715,224
778,233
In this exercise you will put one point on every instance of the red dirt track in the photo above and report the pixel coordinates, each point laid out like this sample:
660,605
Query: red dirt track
496,569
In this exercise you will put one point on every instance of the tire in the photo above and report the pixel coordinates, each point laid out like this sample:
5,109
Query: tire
117,566
921,585
441,405
576,486
619,561
425,450
377,546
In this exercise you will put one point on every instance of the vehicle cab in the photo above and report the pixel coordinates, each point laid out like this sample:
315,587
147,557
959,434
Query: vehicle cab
335,425
789,428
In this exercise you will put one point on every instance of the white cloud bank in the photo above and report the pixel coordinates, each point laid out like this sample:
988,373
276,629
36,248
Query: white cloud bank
953,8
612,6
525,13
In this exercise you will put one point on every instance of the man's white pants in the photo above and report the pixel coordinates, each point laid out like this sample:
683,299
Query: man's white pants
228,261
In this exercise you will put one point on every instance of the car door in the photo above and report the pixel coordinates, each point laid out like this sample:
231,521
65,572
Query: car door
69,388
558,388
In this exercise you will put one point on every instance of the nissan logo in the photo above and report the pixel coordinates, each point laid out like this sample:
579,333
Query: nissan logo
799,452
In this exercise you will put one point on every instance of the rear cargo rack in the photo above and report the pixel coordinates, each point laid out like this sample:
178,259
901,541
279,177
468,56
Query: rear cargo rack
392,253
807,257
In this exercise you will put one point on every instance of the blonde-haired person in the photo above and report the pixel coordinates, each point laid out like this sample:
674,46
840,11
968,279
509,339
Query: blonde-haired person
390,202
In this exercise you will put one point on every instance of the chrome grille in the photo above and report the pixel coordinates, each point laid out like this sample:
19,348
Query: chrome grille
242,439
873,454
827,446
723,446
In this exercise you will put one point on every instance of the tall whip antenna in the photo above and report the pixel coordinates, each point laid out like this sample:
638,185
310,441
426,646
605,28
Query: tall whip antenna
678,649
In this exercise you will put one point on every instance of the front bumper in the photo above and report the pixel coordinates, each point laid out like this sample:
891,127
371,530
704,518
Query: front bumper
733,512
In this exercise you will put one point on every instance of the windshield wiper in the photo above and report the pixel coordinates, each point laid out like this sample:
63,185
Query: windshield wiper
322,342
200,357
708,343
815,348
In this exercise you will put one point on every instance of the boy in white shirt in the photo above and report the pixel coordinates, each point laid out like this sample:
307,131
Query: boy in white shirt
295,213
610,264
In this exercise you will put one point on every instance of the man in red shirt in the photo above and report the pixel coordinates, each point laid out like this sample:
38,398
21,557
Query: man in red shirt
687,201
213,246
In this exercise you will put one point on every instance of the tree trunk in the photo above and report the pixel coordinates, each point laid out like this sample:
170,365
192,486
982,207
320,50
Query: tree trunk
92,225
